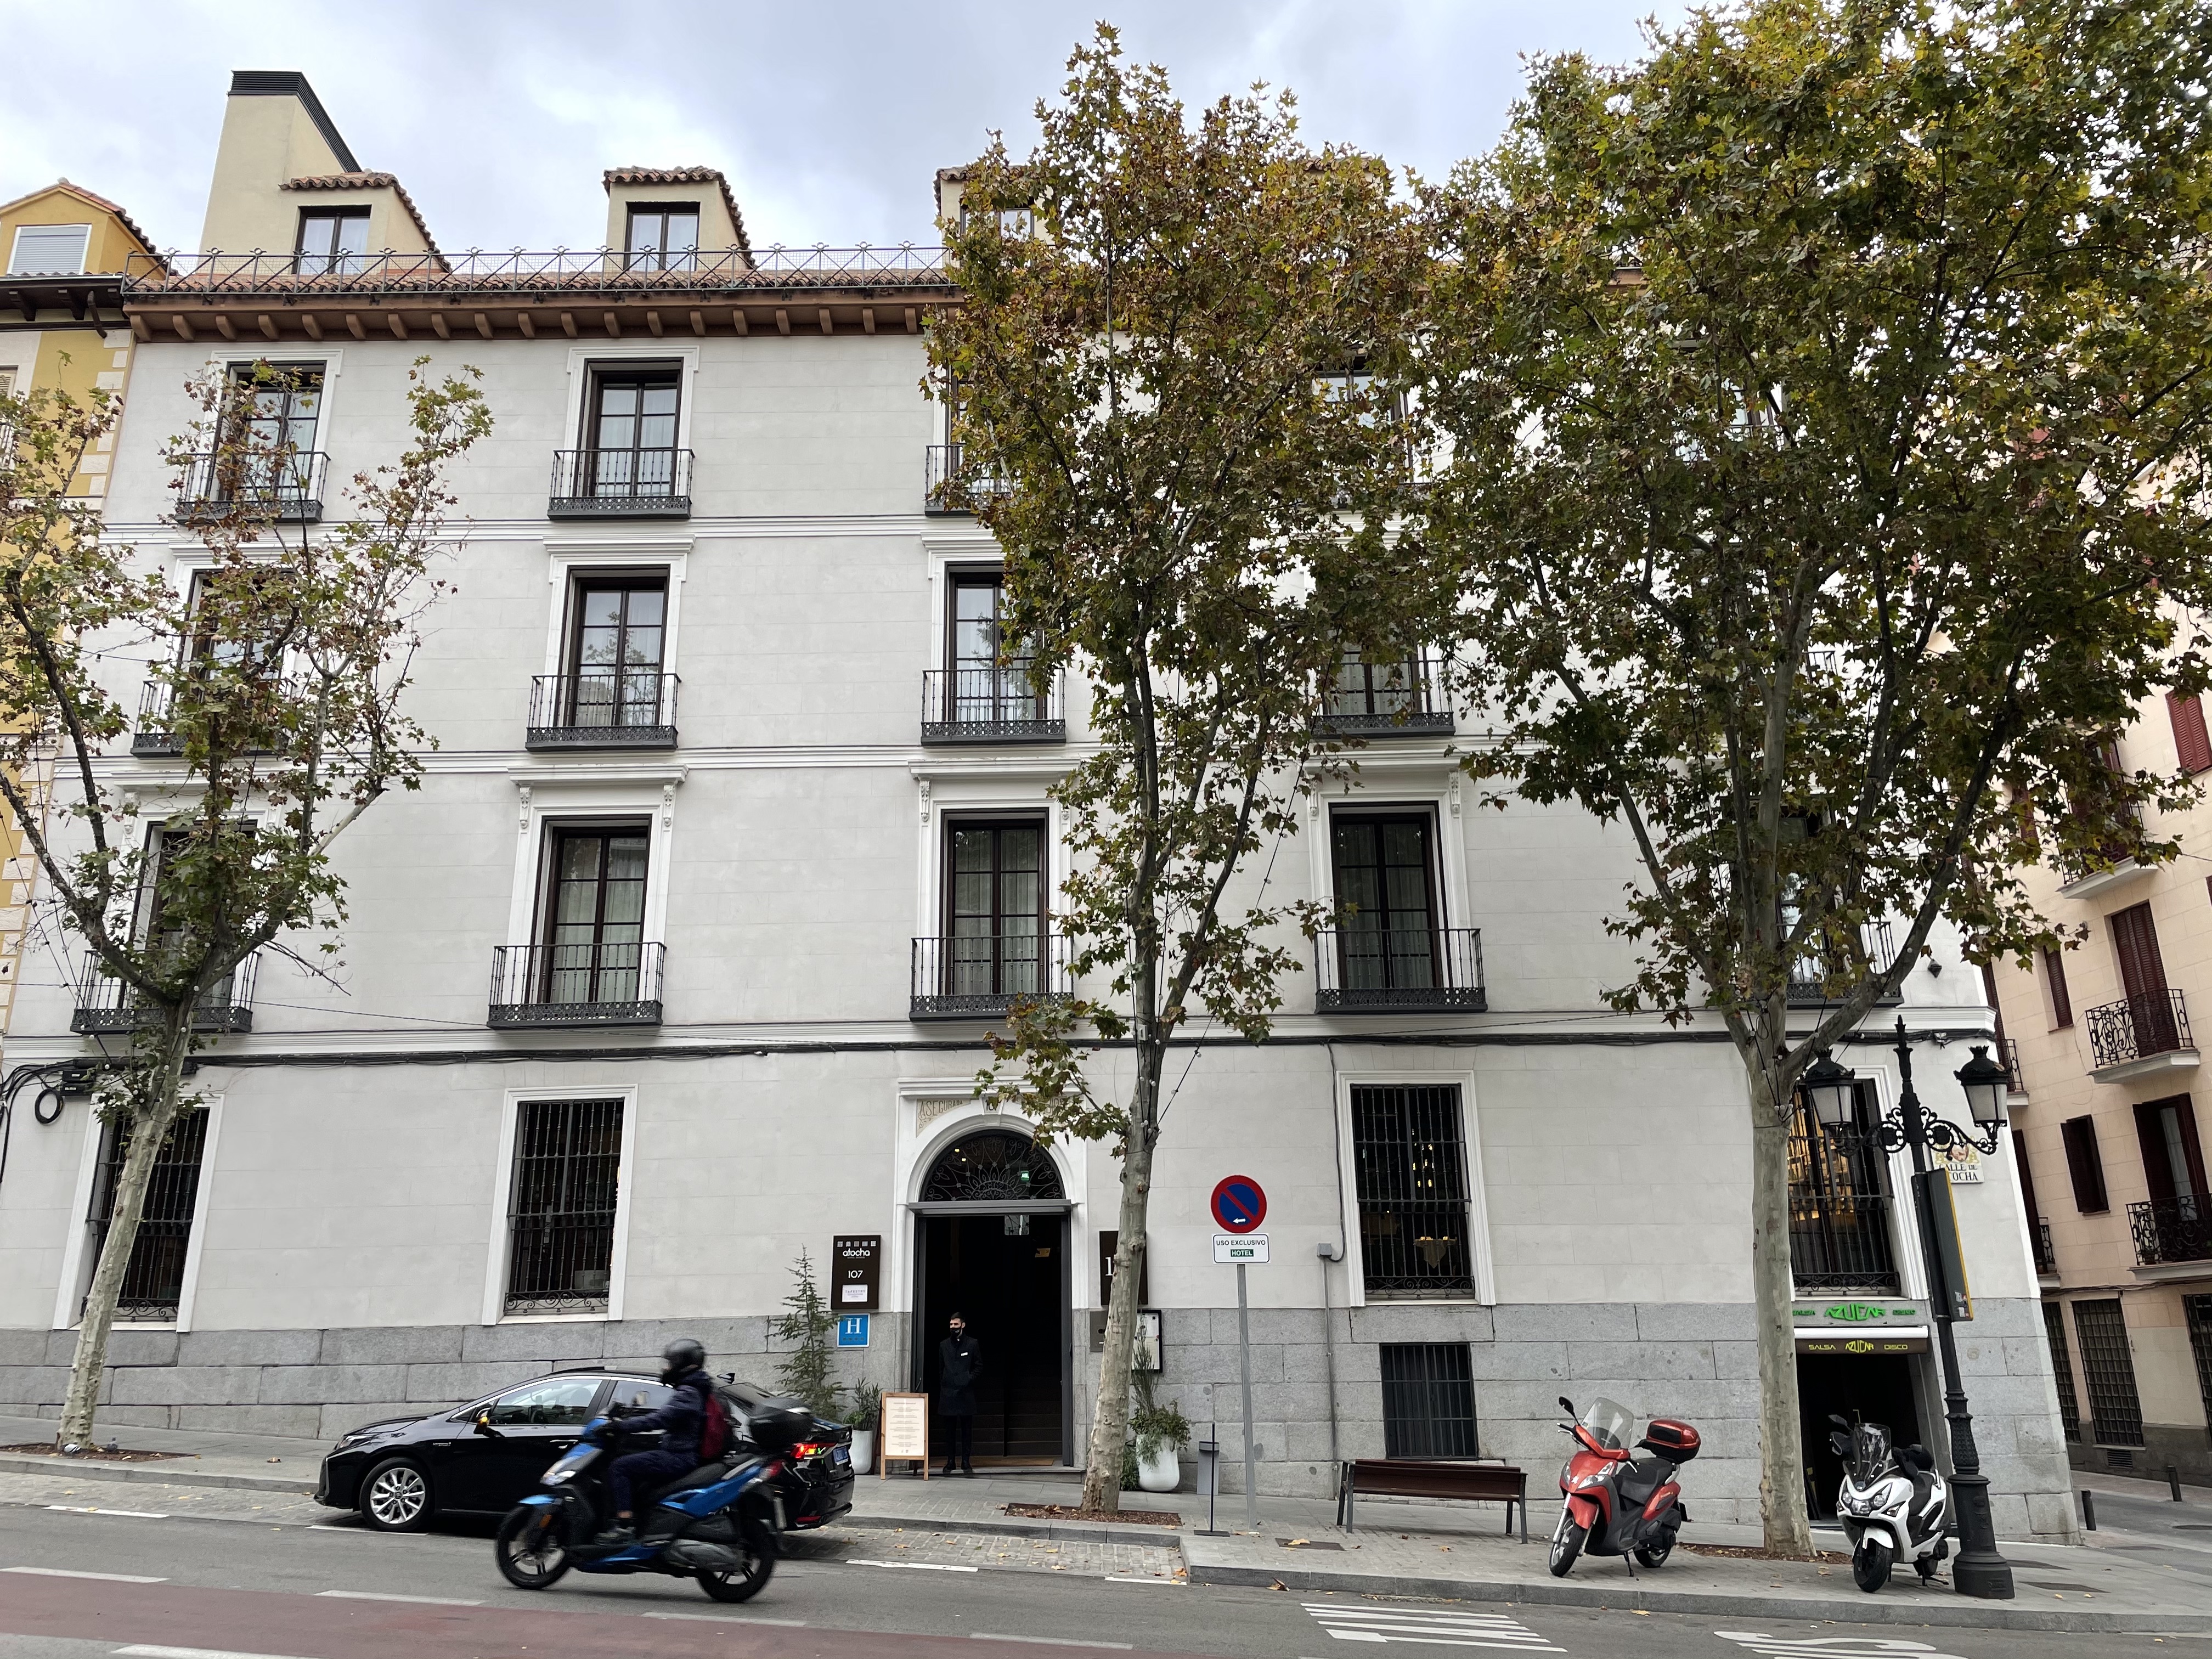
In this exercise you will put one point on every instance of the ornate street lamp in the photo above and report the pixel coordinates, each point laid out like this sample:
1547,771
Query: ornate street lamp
1979,1571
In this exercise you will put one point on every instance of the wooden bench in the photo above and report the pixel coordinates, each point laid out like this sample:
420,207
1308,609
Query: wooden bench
1398,1477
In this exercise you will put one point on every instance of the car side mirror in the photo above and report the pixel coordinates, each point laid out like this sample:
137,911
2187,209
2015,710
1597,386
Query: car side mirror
484,1427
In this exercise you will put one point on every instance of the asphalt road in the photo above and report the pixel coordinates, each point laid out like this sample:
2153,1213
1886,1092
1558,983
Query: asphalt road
192,1587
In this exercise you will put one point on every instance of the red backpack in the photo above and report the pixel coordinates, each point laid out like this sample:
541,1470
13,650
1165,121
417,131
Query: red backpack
714,1430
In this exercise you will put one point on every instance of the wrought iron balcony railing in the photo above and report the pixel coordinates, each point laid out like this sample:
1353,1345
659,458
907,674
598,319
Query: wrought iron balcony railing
602,708
287,488
1373,970
1385,699
106,1004
983,975
2015,1078
2047,1258
2172,1229
1808,977
1841,1240
948,488
2138,1028
154,734
620,484
990,705
601,984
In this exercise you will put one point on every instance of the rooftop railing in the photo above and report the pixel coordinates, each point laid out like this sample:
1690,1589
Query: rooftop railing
558,270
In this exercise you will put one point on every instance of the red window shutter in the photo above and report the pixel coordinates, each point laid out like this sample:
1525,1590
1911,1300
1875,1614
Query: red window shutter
2054,976
2084,1163
2191,744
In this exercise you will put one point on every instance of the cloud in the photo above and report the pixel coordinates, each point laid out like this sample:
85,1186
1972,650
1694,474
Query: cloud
830,121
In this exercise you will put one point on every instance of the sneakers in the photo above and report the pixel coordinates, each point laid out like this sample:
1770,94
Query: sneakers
616,1535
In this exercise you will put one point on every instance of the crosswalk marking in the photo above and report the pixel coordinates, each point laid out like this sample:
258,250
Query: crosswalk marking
1831,1647
1430,1626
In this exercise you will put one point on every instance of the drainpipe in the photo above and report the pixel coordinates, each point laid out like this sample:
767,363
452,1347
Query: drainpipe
1330,1252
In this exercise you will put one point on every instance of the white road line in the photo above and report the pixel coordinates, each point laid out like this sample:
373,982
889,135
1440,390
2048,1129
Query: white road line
148,1650
63,1572
1047,1641
729,1619
1830,1647
374,1596
912,1566
86,1509
1172,1583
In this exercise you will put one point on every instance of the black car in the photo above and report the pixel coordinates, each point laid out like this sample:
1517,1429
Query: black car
483,1458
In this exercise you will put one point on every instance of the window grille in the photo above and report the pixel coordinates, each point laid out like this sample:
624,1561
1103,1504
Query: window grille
154,1281
2061,1366
1412,1183
1428,1401
2199,1311
2109,1368
1839,1232
560,1212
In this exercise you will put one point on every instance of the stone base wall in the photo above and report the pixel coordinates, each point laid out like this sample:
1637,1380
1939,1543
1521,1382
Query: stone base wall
2185,1445
1696,1361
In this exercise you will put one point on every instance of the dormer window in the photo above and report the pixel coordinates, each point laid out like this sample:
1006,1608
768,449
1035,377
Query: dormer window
49,250
663,236
332,240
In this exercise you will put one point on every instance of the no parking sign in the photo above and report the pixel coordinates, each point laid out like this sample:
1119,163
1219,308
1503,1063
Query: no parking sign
1239,1206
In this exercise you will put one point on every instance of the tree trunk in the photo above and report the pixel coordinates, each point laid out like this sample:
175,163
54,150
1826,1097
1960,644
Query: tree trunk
1782,1457
1109,1414
148,1127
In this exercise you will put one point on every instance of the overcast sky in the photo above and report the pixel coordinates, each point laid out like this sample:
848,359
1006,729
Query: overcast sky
829,120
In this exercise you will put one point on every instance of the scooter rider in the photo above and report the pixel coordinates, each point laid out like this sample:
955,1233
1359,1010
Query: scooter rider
684,1368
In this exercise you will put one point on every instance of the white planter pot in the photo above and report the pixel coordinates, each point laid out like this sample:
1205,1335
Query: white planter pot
1160,1471
864,1451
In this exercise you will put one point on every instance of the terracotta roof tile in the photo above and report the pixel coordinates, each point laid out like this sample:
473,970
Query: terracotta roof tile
368,181
104,205
614,176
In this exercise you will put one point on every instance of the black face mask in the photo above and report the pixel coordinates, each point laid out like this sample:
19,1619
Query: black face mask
670,1377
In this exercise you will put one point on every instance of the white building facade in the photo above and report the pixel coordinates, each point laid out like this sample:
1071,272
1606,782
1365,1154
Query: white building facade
681,960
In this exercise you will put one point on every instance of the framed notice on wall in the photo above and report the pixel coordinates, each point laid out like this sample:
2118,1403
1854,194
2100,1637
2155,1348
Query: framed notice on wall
905,1431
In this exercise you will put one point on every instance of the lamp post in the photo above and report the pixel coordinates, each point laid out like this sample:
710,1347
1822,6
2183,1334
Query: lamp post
1979,1571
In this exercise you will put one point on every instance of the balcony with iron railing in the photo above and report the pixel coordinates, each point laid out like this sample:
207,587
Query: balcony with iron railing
1385,699
620,484
1841,1240
1809,983
105,1004
580,985
602,708
1373,970
2016,1077
2169,1229
990,705
286,488
984,976
155,735
2145,1032
2046,1255
948,488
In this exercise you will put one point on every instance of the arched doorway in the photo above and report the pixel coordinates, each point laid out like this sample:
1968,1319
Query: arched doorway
991,1243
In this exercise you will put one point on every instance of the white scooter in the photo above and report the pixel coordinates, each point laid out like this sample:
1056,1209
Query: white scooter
1893,1503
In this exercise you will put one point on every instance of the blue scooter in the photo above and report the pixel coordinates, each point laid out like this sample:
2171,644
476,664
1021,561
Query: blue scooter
717,1524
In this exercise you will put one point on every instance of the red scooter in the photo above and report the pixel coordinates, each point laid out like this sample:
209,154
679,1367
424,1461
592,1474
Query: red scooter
1617,1504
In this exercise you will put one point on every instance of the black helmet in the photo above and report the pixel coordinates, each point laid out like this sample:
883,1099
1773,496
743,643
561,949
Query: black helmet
680,1358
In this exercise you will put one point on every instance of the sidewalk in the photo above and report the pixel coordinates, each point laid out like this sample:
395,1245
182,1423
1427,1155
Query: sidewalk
2122,1581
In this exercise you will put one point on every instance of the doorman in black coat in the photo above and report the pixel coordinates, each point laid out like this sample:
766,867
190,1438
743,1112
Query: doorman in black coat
959,1368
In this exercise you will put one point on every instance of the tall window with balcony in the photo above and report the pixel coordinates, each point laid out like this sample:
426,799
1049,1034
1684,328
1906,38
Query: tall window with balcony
1409,1160
154,1279
332,242
984,693
591,964
2152,1019
1839,1206
662,236
997,947
212,642
1383,696
610,691
267,463
1389,950
106,1004
2175,1225
628,463
561,1209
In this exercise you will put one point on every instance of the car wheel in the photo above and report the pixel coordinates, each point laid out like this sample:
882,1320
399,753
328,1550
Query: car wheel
396,1495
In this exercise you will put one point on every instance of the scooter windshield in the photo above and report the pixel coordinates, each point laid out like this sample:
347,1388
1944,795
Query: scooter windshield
1869,1453
1610,1424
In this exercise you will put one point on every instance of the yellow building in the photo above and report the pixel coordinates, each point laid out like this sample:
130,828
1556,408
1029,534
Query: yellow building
63,253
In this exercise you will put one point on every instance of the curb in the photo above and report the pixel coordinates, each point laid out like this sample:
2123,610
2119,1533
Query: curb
1094,1532
163,1473
1632,1598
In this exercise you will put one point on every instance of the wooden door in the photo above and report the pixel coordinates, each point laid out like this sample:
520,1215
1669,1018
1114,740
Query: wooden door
2142,975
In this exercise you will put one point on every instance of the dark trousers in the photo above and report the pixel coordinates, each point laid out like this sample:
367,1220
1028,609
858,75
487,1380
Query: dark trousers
648,1469
959,1440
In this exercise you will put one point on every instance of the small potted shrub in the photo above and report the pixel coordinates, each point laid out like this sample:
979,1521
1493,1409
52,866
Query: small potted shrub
867,1401
1156,1434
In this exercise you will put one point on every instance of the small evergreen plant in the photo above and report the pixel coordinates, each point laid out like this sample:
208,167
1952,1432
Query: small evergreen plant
805,1373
